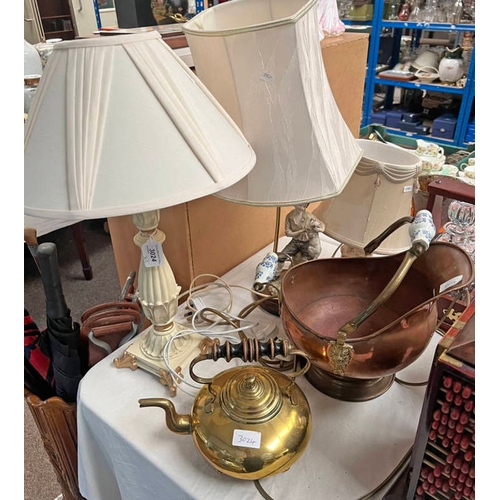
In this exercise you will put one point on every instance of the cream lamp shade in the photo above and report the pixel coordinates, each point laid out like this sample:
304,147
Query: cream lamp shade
262,60
120,125
379,193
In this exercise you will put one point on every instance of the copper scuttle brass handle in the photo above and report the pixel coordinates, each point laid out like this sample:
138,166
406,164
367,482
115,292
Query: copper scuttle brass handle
421,231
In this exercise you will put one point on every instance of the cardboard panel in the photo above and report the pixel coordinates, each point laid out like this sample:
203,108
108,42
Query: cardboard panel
345,58
208,235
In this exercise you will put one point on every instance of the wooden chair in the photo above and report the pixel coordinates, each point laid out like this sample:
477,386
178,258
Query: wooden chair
35,227
110,323
56,423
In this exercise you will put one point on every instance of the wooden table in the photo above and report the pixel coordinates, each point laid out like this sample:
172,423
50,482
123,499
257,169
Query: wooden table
127,453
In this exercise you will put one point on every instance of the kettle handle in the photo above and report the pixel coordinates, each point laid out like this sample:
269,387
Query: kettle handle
249,350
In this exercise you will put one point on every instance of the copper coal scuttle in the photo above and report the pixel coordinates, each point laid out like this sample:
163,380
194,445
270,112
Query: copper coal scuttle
362,320
249,422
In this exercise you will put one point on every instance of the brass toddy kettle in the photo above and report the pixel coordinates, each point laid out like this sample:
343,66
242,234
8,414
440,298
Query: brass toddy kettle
250,421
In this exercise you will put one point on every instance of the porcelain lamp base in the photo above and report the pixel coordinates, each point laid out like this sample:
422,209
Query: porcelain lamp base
145,353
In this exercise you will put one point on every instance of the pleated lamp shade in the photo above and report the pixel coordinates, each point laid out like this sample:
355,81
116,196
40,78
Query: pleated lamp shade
262,60
379,193
120,125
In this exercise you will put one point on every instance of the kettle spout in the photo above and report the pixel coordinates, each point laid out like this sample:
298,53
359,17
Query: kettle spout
180,424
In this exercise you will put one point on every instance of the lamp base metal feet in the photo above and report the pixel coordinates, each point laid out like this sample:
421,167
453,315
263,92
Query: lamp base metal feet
183,351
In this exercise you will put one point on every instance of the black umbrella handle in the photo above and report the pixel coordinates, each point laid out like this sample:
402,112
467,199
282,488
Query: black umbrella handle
51,279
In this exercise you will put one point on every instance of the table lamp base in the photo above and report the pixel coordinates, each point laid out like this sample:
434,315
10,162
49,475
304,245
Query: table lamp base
183,351
272,304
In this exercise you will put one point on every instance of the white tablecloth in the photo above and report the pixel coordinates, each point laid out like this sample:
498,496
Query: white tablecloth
126,452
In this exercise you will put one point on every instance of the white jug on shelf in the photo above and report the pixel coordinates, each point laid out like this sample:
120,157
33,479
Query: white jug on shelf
32,61
451,67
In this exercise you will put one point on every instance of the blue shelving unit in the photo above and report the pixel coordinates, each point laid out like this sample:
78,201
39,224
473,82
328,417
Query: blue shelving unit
97,15
372,80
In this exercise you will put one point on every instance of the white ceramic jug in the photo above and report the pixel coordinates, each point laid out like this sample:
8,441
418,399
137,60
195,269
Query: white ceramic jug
32,61
451,67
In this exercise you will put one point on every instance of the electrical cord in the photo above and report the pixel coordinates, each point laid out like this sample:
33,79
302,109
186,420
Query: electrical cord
203,320
410,384
337,249
397,470
256,303
261,490
193,291
228,319
192,303
166,357
400,467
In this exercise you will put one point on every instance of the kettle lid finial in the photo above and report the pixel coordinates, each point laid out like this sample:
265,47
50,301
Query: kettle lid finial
251,395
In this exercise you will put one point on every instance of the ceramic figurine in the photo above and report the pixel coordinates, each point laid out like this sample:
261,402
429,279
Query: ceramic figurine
304,228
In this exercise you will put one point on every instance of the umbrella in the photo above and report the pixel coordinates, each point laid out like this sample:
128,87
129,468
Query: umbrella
38,372
63,333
